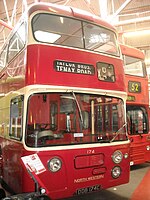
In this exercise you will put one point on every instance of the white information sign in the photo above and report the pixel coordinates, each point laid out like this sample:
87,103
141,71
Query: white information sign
33,163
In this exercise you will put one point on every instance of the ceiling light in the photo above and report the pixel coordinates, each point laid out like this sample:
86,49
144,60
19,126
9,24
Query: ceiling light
136,33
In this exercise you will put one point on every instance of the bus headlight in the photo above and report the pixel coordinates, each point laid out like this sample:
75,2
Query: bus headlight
117,157
148,148
54,165
116,172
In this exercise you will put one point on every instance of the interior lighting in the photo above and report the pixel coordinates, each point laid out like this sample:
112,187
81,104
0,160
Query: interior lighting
46,36
62,20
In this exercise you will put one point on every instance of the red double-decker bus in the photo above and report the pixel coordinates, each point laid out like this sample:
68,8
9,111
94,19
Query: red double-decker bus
62,104
137,104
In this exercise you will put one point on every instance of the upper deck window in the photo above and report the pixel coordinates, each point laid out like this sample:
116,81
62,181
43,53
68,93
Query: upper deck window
134,66
67,31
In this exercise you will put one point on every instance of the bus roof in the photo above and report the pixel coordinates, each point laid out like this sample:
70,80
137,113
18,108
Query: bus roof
70,12
131,51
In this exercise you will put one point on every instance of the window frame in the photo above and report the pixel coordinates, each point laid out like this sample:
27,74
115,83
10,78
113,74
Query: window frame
18,127
144,120
11,40
82,22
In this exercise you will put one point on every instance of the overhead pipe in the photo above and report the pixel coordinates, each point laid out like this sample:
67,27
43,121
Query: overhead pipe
6,10
6,24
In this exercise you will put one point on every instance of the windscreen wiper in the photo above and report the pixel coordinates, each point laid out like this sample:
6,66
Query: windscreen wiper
118,132
80,112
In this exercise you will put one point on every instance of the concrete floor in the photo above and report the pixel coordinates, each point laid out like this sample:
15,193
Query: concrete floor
137,189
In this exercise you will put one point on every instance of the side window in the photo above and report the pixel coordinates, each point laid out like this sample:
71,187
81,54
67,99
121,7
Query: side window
137,120
16,117
17,42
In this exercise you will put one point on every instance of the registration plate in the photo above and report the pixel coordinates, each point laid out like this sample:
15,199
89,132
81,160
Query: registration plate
88,189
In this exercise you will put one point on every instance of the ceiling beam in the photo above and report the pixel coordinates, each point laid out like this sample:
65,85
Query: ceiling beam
6,10
120,9
132,21
103,9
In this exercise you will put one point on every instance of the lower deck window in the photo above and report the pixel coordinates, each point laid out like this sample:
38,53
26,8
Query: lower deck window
16,114
68,118
137,120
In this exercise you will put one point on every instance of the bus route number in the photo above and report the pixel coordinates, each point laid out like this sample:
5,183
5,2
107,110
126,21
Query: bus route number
134,87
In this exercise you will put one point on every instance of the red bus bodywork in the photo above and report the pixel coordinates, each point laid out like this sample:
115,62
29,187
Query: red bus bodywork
35,73
138,98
